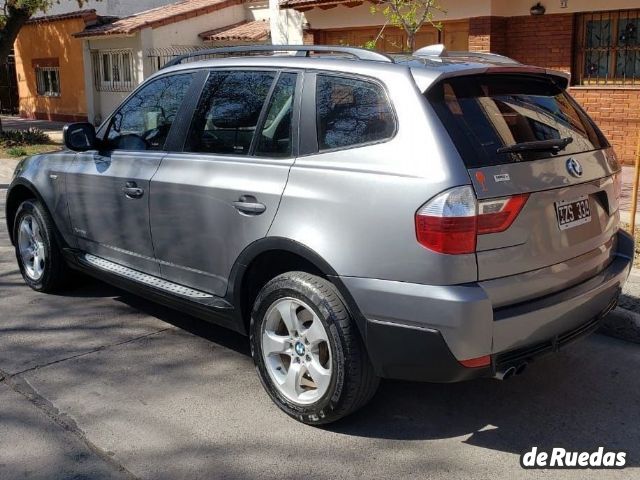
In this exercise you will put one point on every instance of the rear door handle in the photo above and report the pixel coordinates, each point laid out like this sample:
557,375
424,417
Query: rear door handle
131,190
249,205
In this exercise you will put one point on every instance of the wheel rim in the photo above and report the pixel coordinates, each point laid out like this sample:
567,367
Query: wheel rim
31,247
296,351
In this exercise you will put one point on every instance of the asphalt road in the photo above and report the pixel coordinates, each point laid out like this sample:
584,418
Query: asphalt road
98,384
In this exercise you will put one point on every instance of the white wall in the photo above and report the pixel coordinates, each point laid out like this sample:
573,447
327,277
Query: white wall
361,16
257,10
186,33
513,8
118,8
101,104
341,17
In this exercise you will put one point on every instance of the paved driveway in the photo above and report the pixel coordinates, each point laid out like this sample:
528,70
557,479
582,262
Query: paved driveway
100,384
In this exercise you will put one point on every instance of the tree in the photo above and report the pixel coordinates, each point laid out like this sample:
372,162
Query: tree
14,15
409,15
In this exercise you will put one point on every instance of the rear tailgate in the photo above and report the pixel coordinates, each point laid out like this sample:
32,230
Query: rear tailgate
572,197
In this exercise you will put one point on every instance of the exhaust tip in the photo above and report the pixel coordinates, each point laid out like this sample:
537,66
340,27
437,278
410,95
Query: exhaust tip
521,368
505,374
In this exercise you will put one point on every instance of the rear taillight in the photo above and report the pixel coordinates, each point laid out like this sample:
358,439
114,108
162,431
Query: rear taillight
496,216
447,223
451,222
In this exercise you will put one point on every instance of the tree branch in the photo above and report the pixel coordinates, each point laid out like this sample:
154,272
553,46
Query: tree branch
15,19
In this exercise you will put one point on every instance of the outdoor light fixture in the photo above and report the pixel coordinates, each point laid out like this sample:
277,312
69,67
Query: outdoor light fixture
538,9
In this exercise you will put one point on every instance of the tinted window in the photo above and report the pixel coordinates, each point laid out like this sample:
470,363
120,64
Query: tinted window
228,113
275,136
144,121
485,113
351,112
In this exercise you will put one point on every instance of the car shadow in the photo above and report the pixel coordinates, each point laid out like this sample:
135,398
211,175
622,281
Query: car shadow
581,398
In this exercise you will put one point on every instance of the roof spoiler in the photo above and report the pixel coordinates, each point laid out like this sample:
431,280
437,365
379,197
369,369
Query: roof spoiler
439,50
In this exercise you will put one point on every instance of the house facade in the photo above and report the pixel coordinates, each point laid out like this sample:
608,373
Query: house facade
80,65
49,67
597,42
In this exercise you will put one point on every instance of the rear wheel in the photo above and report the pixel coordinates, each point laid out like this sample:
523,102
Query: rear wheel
307,350
39,256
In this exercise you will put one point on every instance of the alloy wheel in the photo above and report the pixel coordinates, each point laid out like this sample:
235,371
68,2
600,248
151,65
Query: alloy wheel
296,351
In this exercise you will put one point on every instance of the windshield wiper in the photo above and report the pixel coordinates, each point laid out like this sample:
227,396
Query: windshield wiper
554,145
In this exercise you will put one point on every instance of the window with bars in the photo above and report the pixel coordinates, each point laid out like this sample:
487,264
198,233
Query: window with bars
608,48
113,70
48,81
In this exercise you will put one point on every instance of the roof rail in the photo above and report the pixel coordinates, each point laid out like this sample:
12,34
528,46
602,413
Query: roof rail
301,51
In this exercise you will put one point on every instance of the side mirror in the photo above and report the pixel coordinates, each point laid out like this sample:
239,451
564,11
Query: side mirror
79,137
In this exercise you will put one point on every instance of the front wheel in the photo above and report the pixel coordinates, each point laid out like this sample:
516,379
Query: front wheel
39,256
308,351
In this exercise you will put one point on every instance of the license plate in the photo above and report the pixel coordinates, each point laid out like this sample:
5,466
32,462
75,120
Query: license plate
572,213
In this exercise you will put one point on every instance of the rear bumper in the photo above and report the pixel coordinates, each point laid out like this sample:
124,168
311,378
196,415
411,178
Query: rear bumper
419,332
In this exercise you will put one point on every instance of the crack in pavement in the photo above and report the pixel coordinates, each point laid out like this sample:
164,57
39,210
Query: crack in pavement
22,387
89,352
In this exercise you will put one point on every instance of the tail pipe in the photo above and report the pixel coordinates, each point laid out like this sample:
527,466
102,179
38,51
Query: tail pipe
509,371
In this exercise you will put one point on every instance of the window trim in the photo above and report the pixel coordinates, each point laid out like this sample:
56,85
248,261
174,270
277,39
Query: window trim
98,67
611,80
250,155
310,127
40,70
103,129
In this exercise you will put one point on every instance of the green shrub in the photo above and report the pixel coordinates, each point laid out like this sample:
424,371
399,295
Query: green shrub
17,152
17,138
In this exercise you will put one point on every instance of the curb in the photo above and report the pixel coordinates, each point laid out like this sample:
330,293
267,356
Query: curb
622,324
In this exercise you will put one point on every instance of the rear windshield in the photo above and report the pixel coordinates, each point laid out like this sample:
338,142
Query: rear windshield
483,113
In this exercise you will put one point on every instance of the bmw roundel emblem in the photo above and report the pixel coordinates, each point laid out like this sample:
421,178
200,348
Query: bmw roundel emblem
574,167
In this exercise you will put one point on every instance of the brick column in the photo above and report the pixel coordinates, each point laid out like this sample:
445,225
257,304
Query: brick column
488,34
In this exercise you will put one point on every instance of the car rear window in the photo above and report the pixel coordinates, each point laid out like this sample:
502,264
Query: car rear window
483,113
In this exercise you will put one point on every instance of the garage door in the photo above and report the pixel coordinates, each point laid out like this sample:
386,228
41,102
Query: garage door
455,35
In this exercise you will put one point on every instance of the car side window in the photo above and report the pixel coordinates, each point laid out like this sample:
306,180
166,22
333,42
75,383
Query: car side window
228,113
351,112
144,121
275,136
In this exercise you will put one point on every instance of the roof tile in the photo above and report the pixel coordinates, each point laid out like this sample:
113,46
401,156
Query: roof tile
247,31
156,17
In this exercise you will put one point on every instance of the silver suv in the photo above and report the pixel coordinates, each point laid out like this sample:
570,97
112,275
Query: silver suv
435,217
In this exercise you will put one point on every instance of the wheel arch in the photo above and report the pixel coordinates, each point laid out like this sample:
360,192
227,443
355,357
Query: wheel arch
282,255
20,191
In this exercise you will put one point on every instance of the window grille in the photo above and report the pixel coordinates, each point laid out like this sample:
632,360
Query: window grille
48,81
113,70
608,48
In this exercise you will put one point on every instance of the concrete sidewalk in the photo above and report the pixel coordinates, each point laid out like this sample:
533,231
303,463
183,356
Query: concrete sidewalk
53,129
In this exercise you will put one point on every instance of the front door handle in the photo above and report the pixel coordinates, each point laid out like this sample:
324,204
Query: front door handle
131,190
249,205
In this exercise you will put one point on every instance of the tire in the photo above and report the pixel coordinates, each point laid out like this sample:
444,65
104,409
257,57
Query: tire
318,398
52,273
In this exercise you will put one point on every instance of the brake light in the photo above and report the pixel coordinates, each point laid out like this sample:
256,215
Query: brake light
451,222
448,223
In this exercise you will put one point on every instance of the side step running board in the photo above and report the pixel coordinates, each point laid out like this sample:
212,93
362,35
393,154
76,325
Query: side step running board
171,288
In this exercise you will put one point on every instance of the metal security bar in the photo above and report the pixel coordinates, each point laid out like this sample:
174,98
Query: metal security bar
159,57
113,70
608,48
48,81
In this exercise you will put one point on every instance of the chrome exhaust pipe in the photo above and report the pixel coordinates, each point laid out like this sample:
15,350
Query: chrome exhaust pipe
505,374
521,368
